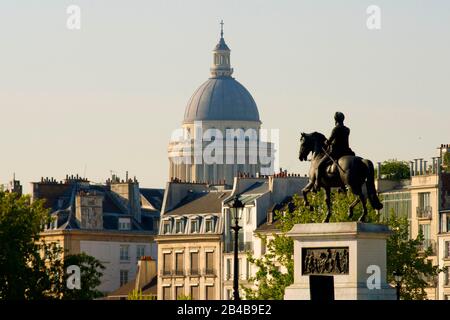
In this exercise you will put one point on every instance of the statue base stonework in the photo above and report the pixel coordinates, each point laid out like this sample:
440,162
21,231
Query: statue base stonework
353,253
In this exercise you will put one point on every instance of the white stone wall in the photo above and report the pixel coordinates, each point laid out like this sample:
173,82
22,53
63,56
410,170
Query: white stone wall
109,254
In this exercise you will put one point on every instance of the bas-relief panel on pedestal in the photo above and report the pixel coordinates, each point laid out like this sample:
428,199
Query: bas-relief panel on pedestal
325,260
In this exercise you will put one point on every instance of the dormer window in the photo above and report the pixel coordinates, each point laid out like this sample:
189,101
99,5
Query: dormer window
124,224
166,227
209,225
179,226
195,226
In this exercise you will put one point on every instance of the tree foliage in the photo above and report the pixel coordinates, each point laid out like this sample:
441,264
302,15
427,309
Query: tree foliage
405,256
137,295
30,268
395,169
275,269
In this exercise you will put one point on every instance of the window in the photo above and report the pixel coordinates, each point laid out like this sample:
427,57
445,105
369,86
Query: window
167,263
424,199
124,254
179,291
210,294
166,227
229,273
425,229
194,293
447,249
195,226
447,220
209,263
209,225
229,294
179,263
123,277
194,263
140,251
179,226
124,224
166,293
248,212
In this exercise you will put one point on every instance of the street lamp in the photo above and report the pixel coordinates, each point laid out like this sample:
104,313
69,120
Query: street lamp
236,212
398,282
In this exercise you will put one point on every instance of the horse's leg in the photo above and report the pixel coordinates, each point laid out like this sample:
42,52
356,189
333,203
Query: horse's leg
363,202
328,201
352,206
305,192
357,192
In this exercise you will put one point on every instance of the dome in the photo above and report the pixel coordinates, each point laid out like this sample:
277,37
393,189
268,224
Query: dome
221,98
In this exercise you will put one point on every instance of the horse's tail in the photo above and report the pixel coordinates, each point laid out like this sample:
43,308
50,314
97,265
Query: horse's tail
370,185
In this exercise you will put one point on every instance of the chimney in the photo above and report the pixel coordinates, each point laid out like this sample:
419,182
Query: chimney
416,172
146,272
378,170
411,168
425,166
421,166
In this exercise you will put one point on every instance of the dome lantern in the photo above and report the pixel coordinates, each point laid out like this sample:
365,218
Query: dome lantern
221,54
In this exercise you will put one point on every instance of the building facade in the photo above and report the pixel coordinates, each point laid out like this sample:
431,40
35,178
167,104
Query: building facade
116,223
425,200
195,241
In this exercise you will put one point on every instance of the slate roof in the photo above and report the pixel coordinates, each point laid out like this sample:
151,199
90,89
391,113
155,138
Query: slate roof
62,207
200,202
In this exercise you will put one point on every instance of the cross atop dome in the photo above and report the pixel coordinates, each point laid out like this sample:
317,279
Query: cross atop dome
221,28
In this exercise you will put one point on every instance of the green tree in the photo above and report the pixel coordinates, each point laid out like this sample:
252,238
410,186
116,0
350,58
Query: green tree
275,270
405,257
30,268
91,273
22,268
137,295
395,170
446,161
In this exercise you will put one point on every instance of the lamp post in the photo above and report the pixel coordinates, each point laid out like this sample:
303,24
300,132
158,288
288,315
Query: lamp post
236,211
398,282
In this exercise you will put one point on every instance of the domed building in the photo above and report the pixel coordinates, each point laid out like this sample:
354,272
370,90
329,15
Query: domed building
220,130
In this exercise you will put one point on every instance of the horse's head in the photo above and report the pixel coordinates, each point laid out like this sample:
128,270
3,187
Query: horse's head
306,146
310,142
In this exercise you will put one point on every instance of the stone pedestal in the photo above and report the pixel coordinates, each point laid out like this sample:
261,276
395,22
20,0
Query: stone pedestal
353,253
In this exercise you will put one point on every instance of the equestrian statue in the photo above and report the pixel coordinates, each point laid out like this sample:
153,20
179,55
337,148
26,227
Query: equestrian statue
335,165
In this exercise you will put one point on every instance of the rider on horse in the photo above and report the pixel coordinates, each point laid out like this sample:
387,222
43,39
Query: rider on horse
338,146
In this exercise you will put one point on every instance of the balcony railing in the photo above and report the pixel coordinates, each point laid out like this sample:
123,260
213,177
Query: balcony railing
193,272
209,272
178,273
166,273
428,244
424,212
242,276
242,246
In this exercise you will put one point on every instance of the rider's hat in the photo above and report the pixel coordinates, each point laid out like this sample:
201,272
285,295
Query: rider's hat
339,116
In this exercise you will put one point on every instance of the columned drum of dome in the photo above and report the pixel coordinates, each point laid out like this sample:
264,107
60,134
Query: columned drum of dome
220,103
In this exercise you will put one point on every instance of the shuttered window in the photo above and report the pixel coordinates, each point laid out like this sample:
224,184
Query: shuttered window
179,292
210,293
166,293
167,263
179,263
194,263
195,293
209,262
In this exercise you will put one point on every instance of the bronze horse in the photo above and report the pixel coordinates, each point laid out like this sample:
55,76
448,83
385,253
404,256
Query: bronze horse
349,171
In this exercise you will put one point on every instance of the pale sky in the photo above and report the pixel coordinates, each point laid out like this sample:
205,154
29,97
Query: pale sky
108,96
